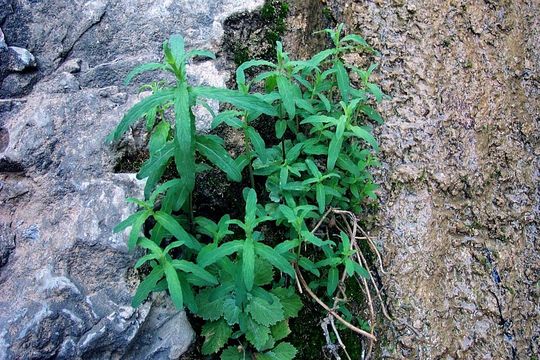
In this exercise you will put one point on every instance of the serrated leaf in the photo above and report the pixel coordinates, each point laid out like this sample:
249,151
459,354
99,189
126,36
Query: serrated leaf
283,351
209,309
231,311
265,313
289,300
233,353
264,273
280,330
257,334
216,334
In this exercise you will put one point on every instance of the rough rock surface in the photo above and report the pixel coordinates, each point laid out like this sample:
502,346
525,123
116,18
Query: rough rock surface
460,203
65,279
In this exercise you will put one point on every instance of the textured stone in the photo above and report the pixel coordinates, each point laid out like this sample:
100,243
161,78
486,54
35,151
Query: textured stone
66,280
19,59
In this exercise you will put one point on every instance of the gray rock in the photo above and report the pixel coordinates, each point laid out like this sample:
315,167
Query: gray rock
3,45
20,59
66,280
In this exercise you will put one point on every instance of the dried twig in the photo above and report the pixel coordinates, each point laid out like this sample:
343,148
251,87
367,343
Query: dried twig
320,302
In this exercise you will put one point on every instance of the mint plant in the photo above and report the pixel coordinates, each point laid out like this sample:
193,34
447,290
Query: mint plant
234,273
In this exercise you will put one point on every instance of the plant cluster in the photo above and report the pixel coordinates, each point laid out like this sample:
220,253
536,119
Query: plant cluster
234,273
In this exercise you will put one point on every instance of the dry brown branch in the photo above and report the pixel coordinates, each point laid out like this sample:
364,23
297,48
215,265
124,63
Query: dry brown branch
320,302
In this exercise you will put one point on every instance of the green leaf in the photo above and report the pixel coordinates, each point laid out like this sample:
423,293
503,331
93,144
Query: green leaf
280,330
287,95
144,259
242,101
240,75
376,91
209,308
281,127
150,245
365,135
283,351
333,152
138,110
251,208
289,300
342,80
308,265
274,258
175,290
264,273
248,263
231,311
216,334
325,102
371,113
233,353
172,226
360,270
127,222
257,334
163,188
184,147
201,53
136,228
357,39
265,313
147,286
176,44
159,136
349,267
142,69
214,152
333,280
321,197
189,267
258,143
157,160
230,117
211,254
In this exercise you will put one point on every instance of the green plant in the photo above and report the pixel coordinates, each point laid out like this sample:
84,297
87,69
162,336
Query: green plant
234,273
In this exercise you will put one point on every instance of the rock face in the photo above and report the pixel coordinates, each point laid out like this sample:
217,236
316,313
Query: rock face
460,203
65,280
